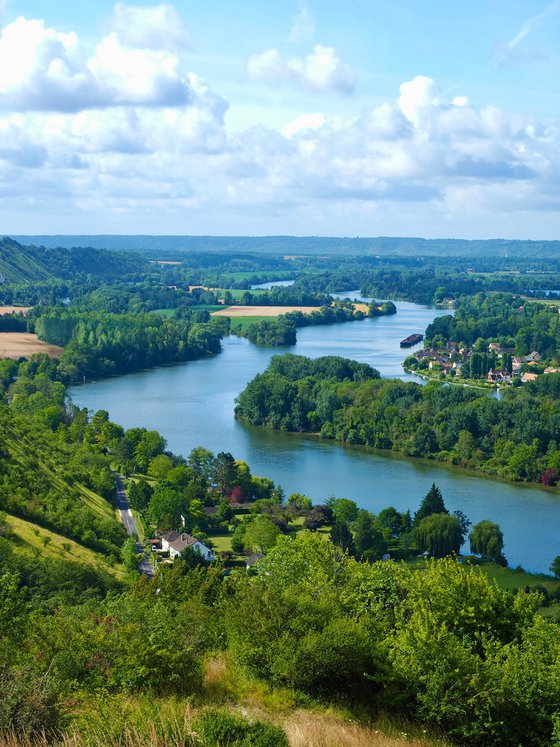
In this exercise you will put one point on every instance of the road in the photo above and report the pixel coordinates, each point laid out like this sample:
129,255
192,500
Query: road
129,524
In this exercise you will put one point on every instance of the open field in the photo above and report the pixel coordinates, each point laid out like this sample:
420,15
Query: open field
262,311
546,301
14,309
23,344
363,307
511,578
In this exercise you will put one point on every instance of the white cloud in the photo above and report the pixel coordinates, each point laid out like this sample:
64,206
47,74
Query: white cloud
509,52
149,27
303,122
122,132
303,25
418,98
322,70
528,25
42,69
138,76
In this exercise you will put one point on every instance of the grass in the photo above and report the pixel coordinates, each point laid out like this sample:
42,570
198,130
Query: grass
242,322
164,312
96,503
510,579
238,294
33,540
221,542
241,275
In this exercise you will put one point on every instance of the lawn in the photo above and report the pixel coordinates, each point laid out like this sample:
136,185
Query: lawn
242,322
237,293
510,578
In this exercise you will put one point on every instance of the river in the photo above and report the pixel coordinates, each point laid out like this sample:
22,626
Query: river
192,405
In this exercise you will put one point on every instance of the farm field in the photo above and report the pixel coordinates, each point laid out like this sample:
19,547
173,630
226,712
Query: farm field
23,344
262,311
14,309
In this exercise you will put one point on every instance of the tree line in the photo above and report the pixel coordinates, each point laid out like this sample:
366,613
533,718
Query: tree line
517,437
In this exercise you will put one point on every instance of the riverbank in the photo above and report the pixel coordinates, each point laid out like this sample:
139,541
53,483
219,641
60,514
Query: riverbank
192,404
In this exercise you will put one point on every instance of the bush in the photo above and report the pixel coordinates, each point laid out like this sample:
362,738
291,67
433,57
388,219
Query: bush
222,729
29,705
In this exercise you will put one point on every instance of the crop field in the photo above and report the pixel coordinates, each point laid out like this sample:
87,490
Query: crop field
14,309
262,311
24,344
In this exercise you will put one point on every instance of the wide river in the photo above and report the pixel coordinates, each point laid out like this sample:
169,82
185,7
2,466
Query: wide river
192,405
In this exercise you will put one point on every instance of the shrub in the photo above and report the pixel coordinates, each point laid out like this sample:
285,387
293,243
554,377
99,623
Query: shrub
222,729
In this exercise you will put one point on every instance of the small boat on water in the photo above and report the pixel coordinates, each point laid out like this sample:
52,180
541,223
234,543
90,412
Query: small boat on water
411,340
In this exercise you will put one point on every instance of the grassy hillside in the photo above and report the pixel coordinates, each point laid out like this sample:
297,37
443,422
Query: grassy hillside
19,264
40,543
57,486
22,264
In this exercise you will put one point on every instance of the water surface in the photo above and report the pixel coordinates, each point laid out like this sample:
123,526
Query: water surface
192,405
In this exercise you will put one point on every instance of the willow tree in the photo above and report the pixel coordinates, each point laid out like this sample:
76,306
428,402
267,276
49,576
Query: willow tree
439,535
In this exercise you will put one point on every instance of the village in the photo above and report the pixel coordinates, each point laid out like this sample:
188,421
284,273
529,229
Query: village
496,365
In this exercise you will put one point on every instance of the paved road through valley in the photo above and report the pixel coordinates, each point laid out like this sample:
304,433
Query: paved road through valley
129,524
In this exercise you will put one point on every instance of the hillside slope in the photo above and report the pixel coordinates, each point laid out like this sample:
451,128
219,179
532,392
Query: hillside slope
21,264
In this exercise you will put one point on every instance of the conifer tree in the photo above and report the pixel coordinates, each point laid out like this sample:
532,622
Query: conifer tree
432,504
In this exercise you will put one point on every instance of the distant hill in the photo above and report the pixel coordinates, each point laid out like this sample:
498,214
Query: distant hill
19,263
157,246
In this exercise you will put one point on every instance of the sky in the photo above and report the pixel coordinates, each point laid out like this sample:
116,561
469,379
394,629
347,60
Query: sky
296,117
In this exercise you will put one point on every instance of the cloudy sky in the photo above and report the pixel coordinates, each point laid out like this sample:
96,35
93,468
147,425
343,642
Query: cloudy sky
363,118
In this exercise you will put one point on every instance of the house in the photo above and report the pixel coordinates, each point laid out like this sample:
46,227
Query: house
498,377
516,364
529,377
551,369
252,559
533,357
494,347
176,542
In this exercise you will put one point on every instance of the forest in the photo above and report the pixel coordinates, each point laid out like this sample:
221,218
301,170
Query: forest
516,438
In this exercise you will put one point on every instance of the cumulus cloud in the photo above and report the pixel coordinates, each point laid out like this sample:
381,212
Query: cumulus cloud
322,70
121,132
304,122
42,69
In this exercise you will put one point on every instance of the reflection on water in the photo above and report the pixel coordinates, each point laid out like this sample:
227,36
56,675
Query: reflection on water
192,404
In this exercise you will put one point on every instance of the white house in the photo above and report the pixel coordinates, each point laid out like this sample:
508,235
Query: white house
176,542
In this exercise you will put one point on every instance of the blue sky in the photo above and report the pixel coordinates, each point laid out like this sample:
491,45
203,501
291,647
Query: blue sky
297,117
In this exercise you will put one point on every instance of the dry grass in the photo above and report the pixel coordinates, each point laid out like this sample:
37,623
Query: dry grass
14,310
24,344
237,311
307,729
363,307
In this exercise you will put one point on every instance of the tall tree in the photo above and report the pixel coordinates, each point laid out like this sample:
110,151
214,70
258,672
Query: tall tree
431,504
439,534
